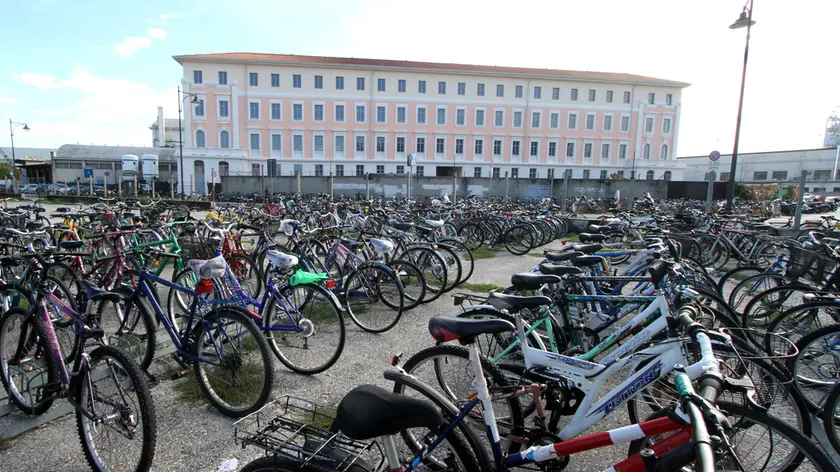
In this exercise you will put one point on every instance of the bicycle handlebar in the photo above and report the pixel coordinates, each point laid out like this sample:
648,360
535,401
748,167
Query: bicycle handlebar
220,230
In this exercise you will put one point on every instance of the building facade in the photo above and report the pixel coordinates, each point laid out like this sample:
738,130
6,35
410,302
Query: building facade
271,114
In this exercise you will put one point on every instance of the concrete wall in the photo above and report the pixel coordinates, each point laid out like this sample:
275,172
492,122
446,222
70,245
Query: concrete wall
428,187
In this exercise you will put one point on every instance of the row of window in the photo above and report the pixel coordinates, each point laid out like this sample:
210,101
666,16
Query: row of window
441,116
420,146
461,87
533,173
820,174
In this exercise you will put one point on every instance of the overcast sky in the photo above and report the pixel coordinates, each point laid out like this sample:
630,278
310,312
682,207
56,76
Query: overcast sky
92,71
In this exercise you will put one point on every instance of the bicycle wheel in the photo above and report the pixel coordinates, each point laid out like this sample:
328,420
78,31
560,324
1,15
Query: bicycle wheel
433,268
132,330
518,240
178,302
780,447
736,275
749,288
831,417
817,366
464,253
304,328
714,252
25,365
374,297
472,235
453,266
117,426
247,273
413,282
234,369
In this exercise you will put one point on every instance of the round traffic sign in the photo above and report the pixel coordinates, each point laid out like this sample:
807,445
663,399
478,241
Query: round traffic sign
107,174
714,156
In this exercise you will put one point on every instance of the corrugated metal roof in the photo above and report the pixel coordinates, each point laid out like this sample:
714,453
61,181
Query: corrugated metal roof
110,153
251,57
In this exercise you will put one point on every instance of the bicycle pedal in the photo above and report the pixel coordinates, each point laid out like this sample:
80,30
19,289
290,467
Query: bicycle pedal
180,374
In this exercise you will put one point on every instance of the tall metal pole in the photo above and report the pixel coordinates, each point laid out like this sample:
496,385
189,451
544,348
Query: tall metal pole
12,137
180,140
797,219
730,187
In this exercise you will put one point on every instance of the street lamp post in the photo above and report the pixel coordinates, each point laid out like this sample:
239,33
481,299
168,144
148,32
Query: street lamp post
195,101
744,20
12,126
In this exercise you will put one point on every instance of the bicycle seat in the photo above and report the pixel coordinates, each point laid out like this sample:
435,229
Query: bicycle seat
352,243
564,256
532,281
95,236
127,227
515,303
92,292
61,226
588,248
369,411
587,261
209,268
381,246
403,226
554,269
598,228
594,238
69,245
448,328
434,223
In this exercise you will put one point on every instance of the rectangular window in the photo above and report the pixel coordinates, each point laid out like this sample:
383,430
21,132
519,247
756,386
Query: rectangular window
420,171
297,112
441,88
552,149
339,83
574,94
319,170
421,86
622,151
276,142
625,123
514,173
360,144
555,93
497,147
339,113
199,108
255,169
460,117
400,169
360,169
554,120
537,92
570,149
360,113
535,148
652,98
496,172
666,125
500,90
275,111
518,91
591,95
380,144
459,146
224,108
479,90
607,122
609,96
603,175
254,110
318,141
585,173
401,144
197,77
440,145
587,150
779,175
626,97
514,148
339,143
517,119
380,85
550,173
441,116
479,117
339,170
401,85
420,146
572,123
462,88
297,143
401,115
253,79
421,115
605,151
621,173
479,147
380,114
535,119
255,141
500,118
222,77
477,172
319,81
275,80
318,111
532,173
380,169
649,124
669,99
360,83
760,175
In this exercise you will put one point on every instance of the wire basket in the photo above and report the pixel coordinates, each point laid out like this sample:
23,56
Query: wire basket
686,244
808,264
297,429
197,247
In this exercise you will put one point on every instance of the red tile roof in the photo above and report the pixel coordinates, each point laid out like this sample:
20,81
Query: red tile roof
251,57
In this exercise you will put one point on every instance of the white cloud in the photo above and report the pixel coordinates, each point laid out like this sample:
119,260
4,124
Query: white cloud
7,101
132,44
37,80
156,33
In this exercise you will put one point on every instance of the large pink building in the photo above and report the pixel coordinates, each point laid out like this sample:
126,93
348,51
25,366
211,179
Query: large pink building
264,113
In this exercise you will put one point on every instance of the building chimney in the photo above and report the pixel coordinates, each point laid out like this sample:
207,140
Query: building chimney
161,129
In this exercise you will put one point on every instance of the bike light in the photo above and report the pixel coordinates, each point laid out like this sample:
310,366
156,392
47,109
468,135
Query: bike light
396,359
330,284
205,286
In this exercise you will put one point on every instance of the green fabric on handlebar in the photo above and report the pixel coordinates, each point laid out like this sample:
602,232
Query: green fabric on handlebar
683,384
301,277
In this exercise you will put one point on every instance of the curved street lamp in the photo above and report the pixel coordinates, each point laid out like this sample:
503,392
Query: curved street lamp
744,20
182,96
12,126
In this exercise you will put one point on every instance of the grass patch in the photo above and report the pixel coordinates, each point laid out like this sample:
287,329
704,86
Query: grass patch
187,388
486,252
480,288
323,417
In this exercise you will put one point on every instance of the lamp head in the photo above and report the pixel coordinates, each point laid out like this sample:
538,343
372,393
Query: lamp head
742,21
26,127
195,100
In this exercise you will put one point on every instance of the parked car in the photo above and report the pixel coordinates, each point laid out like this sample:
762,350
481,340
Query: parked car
30,188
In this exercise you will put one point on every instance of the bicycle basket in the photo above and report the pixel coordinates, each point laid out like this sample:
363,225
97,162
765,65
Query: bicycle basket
297,429
808,264
197,247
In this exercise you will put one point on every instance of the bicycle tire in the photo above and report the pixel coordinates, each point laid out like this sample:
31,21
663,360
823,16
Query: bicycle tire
765,309
433,268
414,284
144,410
518,240
816,387
831,417
359,278
748,289
453,266
464,253
9,344
714,252
143,351
472,235
731,273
